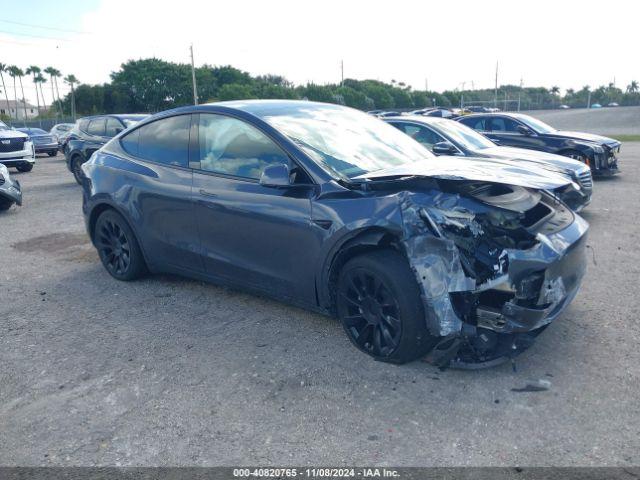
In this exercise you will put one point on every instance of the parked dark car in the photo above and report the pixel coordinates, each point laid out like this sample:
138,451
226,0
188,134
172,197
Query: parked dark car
60,132
446,137
16,150
91,133
435,112
332,209
43,142
10,190
524,131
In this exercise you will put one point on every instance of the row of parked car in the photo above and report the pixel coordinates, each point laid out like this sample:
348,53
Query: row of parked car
464,258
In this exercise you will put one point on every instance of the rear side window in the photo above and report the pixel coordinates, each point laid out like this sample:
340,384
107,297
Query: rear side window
163,141
96,127
130,142
475,123
233,147
83,124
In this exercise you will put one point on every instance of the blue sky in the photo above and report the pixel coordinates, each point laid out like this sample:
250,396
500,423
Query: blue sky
445,44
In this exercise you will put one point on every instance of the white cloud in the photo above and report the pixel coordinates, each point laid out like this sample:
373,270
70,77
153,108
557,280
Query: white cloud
546,42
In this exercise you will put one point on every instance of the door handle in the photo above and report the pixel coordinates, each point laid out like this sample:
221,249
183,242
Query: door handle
206,193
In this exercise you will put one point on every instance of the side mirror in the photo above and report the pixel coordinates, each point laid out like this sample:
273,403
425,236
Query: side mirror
524,130
119,129
275,176
443,148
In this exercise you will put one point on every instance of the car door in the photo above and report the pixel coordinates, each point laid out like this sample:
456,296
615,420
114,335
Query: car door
250,234
506,131
161,192
113,127
95,136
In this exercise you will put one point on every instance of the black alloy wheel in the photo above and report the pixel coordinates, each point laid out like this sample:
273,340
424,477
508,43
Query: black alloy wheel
379,304
118,247
372,313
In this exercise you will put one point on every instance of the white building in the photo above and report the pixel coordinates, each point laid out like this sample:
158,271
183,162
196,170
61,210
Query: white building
32,110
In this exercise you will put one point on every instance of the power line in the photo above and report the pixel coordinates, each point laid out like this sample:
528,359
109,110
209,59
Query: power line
44,27
35,36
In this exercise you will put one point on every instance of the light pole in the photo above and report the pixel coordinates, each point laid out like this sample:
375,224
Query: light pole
193,78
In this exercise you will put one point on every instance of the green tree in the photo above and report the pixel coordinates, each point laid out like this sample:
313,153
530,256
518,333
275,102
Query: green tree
34,70
235,91
3,68
72,81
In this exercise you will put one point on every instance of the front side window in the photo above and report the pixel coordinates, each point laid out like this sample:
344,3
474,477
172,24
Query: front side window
163,141
114,127
423,135
502,124
96,127
233,147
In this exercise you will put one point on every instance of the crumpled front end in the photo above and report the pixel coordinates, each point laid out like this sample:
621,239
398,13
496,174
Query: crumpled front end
10,190
496,264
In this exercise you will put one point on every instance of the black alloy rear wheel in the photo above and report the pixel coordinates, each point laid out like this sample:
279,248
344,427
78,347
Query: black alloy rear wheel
117,246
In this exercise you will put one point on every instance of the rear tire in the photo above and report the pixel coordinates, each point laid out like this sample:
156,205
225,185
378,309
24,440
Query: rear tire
118,247
76,168
25,167
52,153
379,305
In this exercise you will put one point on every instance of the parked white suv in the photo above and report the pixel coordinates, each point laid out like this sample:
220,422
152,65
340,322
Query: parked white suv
16,150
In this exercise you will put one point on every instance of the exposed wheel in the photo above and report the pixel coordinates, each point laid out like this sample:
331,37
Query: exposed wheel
76,168
117,246
52,153
24,167
379,305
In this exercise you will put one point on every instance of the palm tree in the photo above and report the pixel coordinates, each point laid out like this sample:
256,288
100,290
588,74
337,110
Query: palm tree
72,80
35,71
633,86
24,101
13,72
40,80
52,72
3,68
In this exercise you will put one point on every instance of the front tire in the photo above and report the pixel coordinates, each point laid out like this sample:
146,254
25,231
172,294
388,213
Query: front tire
118,247
5,204
76,168
52,153
24,167
379,305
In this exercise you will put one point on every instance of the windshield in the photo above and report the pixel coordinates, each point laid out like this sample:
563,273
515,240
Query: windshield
464,135
537,125
33,131
347,141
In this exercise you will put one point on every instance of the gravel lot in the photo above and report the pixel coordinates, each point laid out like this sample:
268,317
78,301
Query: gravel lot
169,371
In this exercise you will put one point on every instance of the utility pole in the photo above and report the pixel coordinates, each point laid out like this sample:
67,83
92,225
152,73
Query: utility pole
519,93
193,78
589,100
341,73
426,84
495,96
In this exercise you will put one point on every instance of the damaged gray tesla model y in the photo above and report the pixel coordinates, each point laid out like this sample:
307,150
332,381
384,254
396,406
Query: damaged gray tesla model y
461,261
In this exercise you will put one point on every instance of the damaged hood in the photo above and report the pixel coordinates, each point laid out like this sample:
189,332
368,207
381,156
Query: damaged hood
589,137
476,169
544,159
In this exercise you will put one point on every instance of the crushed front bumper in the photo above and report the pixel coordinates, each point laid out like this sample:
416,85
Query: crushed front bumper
10,190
